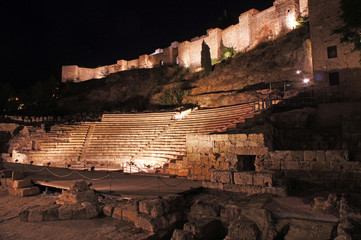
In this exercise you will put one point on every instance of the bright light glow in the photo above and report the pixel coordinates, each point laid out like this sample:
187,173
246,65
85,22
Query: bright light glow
291,21
306,80
298,72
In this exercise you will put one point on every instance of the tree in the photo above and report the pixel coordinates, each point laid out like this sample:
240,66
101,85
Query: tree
206,61
351,29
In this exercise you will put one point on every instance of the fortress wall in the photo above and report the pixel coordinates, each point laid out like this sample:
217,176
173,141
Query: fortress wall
133,64
183,54
69,73
230,36
123,65
287,13
168,57
214,42
303,5
253,27
265,24
143,61
79,74
190,52
245,29
86,74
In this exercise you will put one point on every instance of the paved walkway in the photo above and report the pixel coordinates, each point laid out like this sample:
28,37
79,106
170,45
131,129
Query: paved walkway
114,182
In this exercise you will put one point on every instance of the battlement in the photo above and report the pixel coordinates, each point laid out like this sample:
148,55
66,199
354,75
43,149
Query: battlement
253,27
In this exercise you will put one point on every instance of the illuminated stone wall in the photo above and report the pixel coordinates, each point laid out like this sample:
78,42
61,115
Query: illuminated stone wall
253,27
167,56
320,160
78,74
218,151
324,18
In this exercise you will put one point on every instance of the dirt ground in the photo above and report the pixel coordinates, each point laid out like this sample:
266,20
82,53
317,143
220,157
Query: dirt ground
101,228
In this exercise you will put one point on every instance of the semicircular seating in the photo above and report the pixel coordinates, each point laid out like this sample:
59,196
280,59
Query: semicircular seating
142,139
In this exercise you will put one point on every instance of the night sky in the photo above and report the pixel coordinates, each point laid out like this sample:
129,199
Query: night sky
38,37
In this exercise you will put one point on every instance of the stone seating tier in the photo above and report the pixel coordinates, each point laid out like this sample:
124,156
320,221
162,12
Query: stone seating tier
144,138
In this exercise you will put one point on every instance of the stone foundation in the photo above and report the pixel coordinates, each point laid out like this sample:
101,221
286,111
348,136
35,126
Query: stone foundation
219,151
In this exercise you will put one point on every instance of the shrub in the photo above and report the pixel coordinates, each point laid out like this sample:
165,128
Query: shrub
172,97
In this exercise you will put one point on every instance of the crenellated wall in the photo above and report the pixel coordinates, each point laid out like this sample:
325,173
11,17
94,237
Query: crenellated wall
253,27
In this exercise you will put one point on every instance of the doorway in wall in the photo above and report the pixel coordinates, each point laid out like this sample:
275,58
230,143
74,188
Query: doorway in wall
246,162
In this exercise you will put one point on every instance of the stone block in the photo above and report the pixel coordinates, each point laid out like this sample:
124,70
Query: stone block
36,214
337,156
128,215
194,157
150,224
263,179
320,156
179,234
283,156
292,165
51,212
189,150
305,166
23,215
305,229
222,176
108,210
192,142
79,212
212,185
22,183
65,212
243,178
297,156
206,144
77,197
230,212
242,230
200,210
24,192
117,213
219,144
153,207
309,155
204,228
91,210
219,137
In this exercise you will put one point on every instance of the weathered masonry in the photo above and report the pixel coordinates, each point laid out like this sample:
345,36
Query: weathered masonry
253,27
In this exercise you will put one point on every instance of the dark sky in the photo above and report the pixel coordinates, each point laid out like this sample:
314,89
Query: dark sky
39,36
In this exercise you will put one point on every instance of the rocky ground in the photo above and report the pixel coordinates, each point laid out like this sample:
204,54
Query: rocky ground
99,228
205,215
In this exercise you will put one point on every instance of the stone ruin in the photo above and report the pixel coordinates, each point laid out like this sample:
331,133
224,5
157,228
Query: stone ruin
16,185
79,202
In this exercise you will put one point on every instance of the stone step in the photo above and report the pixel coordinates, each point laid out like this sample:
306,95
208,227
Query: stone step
24,192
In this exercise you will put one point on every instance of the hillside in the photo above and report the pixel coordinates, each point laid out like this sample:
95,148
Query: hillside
234,80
